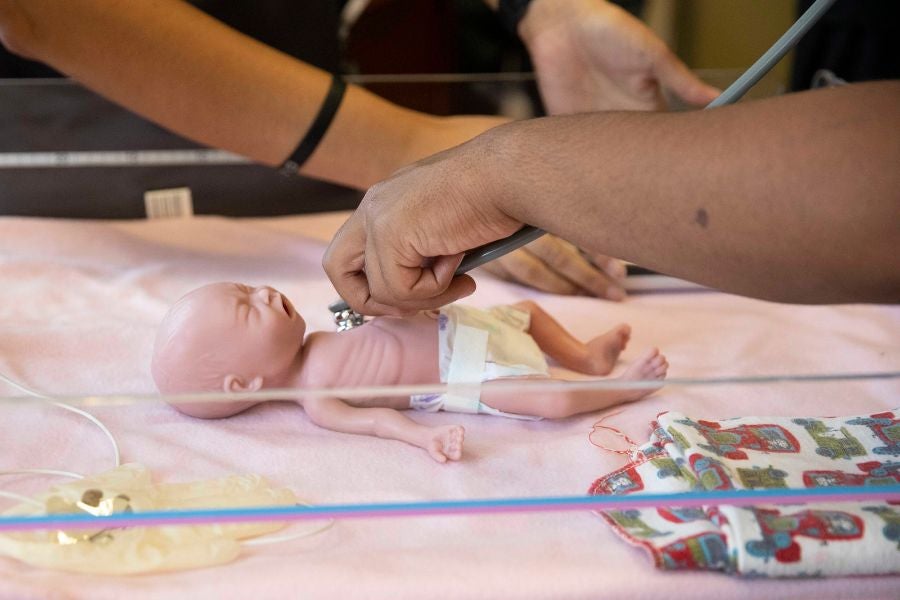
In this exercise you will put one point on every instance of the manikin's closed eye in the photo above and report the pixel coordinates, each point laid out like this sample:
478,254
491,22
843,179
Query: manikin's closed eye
243,303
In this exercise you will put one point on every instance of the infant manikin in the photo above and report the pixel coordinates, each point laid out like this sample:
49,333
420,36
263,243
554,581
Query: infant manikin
235,338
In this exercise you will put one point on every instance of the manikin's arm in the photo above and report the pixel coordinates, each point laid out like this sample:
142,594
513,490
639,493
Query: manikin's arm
177,66
442,443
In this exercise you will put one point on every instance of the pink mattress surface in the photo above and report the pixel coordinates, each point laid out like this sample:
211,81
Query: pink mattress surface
79,305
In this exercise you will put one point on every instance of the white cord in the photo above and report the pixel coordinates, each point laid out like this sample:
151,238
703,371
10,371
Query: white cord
20,498
56,472
77,411
115,446
43,472
112,440
277,539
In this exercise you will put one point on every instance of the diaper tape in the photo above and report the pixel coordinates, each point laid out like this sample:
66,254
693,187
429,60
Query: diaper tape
466,370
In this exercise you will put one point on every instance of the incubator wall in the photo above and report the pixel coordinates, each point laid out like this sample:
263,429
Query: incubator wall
265,503
539,501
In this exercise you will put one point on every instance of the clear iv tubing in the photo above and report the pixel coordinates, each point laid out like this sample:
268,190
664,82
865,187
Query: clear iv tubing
90,417
734,92
63,406
112,440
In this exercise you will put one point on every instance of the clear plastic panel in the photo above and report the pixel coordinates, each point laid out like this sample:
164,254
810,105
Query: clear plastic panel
284,502
271,476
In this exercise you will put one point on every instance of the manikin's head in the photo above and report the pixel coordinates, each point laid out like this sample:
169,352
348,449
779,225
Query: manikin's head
227,337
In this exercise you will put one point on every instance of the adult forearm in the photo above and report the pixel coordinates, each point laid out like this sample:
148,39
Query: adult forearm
791,199
186,71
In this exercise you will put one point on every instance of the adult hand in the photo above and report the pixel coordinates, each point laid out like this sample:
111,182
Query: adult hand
549,264
398,252
591,55
554,265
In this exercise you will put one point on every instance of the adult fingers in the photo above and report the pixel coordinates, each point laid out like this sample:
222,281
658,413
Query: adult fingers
364,287
566,260
524,267
678,78
344,263
613,267
410,282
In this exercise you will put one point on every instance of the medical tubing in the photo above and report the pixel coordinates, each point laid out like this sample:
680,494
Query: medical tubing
254,514
488,252
77,411
57,472
774,54
20,498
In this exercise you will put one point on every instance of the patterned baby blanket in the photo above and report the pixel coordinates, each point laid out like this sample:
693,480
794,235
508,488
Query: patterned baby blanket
810,540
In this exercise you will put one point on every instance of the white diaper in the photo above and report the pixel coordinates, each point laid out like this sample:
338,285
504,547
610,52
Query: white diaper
477,345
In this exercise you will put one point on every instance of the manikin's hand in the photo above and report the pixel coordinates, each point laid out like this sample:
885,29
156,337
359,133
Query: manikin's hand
439,207
591,55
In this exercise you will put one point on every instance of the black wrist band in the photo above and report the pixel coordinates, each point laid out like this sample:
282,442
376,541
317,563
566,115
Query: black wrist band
511,12
318,128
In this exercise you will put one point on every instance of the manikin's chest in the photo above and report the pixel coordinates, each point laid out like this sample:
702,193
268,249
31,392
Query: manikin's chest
384,351
409,348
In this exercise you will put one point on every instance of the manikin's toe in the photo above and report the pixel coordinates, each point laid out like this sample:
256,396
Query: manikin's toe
649,366
605,350
454,450
447,443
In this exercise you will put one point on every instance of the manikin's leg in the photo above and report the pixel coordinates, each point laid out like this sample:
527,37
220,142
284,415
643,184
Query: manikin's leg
442,443
597,357
557,405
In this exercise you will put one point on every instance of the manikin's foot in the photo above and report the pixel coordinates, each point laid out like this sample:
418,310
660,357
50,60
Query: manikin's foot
604,350
445,443
649,366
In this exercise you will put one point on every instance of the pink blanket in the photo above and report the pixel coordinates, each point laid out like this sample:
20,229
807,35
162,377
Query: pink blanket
78,309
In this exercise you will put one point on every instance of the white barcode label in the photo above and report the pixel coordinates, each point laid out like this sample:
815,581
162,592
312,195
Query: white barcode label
170,203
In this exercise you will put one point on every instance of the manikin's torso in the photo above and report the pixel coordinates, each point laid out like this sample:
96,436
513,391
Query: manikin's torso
384,351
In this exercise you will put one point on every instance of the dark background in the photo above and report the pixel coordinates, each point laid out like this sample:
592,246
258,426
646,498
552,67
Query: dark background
859,40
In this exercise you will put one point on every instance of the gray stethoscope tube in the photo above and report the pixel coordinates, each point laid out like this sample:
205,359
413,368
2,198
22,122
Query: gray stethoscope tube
526,235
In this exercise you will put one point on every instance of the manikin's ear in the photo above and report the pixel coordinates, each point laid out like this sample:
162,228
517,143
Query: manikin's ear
236,383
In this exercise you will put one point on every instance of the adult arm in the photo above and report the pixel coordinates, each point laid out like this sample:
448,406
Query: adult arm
184,70
591,55
793,199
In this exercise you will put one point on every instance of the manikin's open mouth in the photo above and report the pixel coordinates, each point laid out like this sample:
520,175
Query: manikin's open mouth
287,307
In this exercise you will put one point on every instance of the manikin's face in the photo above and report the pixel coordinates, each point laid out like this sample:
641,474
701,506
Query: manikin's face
253,331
